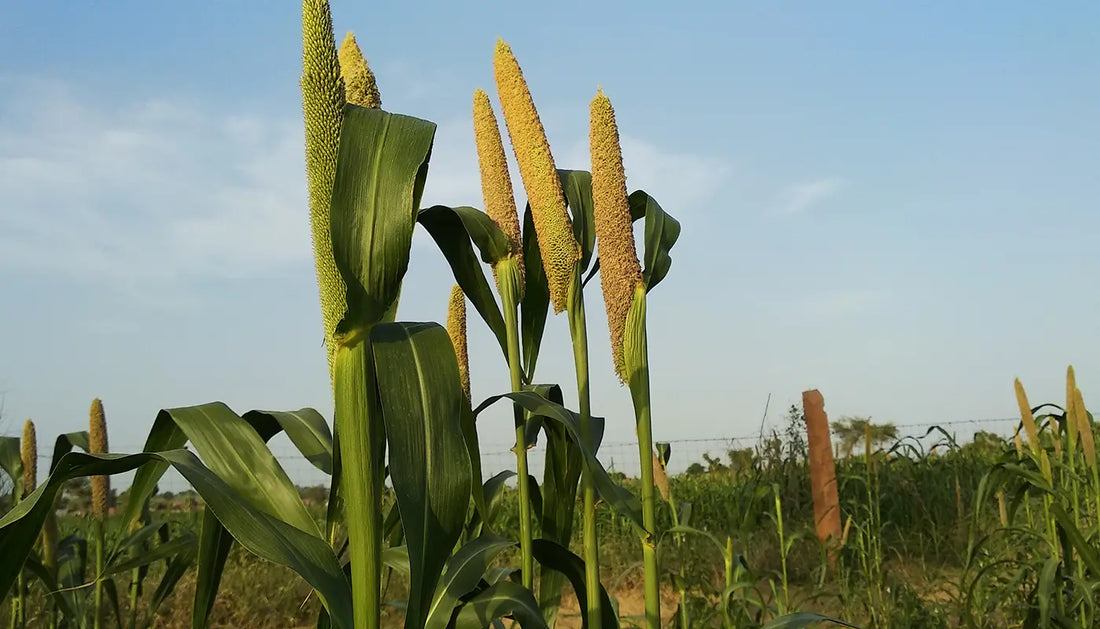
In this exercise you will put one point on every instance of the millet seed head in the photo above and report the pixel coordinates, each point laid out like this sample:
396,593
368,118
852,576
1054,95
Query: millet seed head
620,271
29,454
360,86
456,329
559,248
496,182
323,106
1027,418
1084,428
97,444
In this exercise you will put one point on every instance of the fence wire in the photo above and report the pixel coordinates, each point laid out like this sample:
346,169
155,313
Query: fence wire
622,456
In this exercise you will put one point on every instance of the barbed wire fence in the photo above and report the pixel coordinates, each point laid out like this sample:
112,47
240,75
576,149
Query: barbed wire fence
619,456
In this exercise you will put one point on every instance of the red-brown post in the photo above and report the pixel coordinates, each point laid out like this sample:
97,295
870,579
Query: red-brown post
822,468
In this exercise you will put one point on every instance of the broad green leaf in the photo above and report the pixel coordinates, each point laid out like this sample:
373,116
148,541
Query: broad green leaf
380,173
557,558
473,449
463,572
503,599
35,568
66,443
535,306
803,619
422,402
453,229
235,452
212,553
661,233
259,532
577,187
307,429
621,500
561,474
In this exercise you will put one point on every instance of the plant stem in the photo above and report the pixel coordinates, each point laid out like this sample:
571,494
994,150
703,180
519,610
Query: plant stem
99,530
527,564
579,333
362,442
685,616
639,391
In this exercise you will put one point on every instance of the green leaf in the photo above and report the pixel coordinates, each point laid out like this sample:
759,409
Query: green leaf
177,567
235,452
422,401
34,567
535,306
255,529
621,500
500,600
464,571
11,461
473,450
307,429
561,474
181,545
661,233
380,173
453,229
577,186
719,544
214,545
66,443
557,557
803,619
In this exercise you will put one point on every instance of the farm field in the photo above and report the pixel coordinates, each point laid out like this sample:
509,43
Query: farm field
626,229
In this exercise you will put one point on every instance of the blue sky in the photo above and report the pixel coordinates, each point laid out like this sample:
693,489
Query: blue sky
893,204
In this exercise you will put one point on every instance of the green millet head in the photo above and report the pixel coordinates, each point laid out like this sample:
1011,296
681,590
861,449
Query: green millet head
456,329
323,106
29,455
1027,418
360,87
97,444
560,251
620,272
496,182
1088,444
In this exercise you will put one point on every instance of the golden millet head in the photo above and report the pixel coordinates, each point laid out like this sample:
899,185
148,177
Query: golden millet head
360,86
620,271
456,329
29,455
496,182
1088,444
559,248
323,106
97,444
1027,418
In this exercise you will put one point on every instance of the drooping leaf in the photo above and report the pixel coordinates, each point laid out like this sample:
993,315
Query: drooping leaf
616,496
803,619
557,558
307,429
453,229
503,599
256,530
661,233
463,572
422,402
234,451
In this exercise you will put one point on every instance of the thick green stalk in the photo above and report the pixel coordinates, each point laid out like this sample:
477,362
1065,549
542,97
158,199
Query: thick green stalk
579,333
509,297
362,444
639,390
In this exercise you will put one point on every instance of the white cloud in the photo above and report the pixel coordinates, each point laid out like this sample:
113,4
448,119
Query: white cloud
149,196
800,197
146,193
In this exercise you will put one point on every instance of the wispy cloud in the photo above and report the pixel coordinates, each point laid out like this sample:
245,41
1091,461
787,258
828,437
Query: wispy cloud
151,196
801,197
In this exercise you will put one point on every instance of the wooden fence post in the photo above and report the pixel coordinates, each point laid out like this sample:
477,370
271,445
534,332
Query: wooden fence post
822,471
